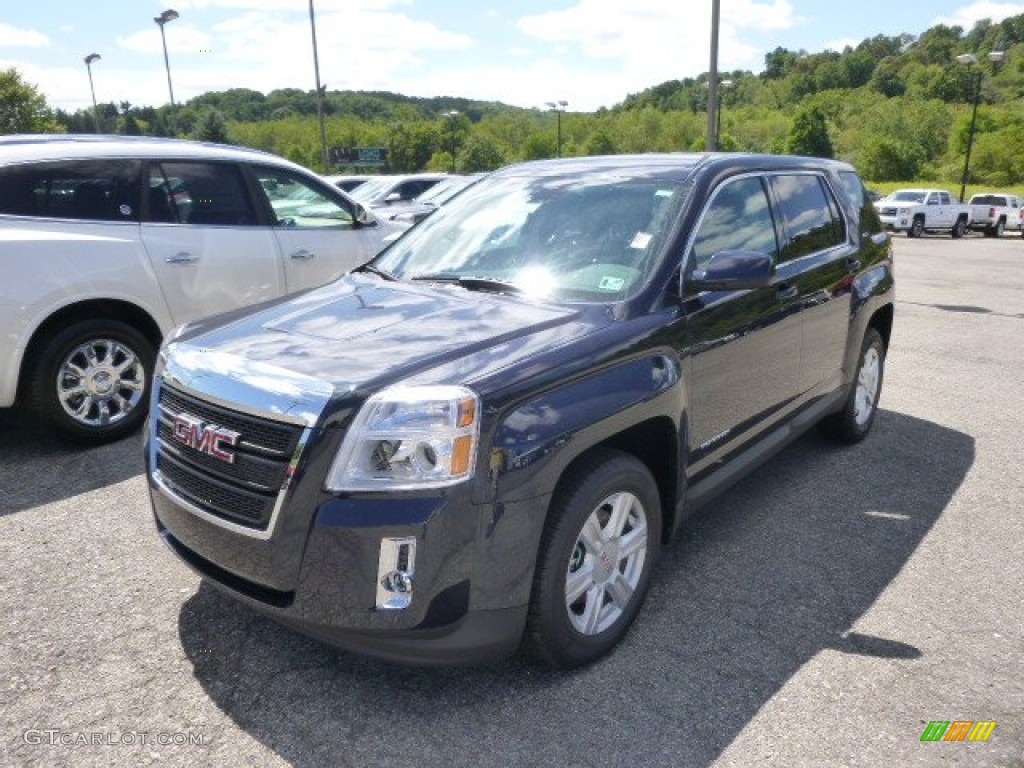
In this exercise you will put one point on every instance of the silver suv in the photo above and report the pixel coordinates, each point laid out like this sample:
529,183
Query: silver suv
106,243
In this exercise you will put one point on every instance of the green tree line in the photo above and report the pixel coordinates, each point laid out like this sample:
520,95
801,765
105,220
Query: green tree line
899,107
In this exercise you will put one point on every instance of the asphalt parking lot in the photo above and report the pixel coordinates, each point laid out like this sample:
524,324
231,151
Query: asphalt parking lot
821,613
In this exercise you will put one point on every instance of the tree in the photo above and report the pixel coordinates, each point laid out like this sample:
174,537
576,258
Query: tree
22,108
212,127
809,135
480,154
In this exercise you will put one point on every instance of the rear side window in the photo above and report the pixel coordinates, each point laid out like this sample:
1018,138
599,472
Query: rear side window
810,214
855,190
207,194
90,190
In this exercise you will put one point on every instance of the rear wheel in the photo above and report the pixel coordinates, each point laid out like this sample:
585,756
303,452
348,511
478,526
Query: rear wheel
852,424
599,546
959,228
91,381
999,229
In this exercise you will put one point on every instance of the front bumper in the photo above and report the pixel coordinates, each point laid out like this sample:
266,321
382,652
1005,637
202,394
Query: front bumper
473,571
895,223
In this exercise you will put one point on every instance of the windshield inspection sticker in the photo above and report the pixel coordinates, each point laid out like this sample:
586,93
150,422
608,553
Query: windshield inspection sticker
641,240
612,283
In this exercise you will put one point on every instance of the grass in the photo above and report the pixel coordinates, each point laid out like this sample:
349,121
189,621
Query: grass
887,187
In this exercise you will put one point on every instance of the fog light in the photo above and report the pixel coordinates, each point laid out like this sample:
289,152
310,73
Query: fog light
395,568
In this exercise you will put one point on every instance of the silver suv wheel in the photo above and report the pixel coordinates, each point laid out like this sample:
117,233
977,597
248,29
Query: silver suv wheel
100,382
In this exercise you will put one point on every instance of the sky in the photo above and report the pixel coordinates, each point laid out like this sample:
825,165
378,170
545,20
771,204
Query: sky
589,53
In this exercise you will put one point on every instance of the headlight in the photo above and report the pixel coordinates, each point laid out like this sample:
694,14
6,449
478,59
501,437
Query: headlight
407,438
902,211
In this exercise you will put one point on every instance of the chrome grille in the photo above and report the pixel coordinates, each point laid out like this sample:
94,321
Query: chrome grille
243,491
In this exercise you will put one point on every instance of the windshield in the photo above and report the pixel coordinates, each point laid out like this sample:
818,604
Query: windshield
369,191
570,238
907,196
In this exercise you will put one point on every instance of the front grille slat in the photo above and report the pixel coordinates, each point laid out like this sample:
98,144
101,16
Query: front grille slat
243,491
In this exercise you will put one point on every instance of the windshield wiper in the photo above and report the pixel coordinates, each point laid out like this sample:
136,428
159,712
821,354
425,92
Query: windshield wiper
376,271
471,283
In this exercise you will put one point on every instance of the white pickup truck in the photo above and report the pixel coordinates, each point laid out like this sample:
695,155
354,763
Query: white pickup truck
916,211
994,212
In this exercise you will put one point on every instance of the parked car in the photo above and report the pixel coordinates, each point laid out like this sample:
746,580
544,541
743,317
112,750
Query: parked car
348,181
916,211
384,191
485,435
427,202
107,243
994,212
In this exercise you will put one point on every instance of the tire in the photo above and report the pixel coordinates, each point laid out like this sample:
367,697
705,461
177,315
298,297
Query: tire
916,227
853,422
610,499
92,380
999,229
959,228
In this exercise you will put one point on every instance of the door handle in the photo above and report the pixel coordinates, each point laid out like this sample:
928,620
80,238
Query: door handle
786,292
183,257
303,255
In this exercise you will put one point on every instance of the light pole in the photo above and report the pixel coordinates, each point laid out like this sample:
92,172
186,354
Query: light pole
723,86
88,65
452,116
161,20
969,60
716,9
319,90
559,107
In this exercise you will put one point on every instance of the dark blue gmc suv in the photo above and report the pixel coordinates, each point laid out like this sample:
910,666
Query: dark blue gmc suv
481,439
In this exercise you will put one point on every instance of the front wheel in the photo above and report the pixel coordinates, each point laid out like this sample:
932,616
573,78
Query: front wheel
599,546
852,424
91,380
916,227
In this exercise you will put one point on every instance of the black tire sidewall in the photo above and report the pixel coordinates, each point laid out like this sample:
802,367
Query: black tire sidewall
857,431
564,645
42,395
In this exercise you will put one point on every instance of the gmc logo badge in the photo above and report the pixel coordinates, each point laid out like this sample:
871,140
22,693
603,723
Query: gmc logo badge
205,438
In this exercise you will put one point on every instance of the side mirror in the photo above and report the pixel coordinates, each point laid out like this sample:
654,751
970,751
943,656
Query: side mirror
734,271
394,197
363,218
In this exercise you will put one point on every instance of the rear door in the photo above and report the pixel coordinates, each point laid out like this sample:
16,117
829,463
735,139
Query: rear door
315,228
818,259
204,240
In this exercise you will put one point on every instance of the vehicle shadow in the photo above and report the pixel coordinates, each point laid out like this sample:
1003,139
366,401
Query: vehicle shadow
38,467
774,571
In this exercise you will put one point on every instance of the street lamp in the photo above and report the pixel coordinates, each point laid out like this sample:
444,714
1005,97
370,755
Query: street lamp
319,90
969,60
163,18
559,108
88,65
453,116
712,143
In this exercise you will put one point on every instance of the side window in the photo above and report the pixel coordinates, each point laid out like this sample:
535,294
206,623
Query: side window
858,195
297,203
944,198
810,214
204,194
89,190
738,218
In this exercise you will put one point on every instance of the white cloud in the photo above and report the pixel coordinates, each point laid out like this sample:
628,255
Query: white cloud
12,37
967,16
181,38
842,43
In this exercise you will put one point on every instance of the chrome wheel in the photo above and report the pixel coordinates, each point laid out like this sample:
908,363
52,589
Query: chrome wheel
868,379
100,382
606,563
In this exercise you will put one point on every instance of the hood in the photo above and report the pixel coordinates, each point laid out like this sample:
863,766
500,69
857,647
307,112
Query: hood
364,333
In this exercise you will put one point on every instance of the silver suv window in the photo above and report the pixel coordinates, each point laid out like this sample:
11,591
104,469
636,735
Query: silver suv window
89,190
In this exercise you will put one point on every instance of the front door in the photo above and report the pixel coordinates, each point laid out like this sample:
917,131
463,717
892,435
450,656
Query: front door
204,242
743,346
